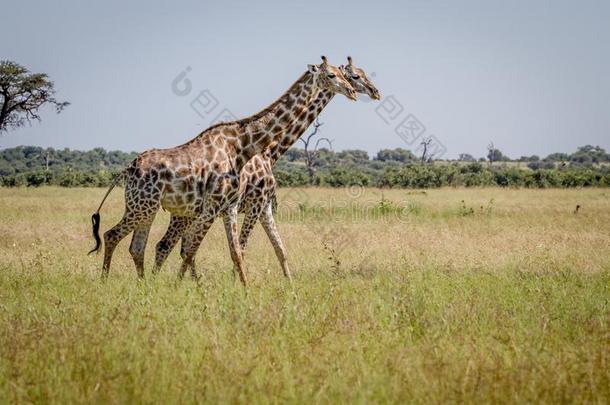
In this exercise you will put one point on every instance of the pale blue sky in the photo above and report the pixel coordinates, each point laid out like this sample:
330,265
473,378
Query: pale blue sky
531,76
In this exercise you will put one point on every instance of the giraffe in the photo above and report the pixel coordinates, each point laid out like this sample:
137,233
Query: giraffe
200,179
256,199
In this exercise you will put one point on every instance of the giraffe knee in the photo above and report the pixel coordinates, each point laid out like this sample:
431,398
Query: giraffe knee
110,236
188,248
134,251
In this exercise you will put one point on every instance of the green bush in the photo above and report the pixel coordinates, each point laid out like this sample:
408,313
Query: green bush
341,177
291,178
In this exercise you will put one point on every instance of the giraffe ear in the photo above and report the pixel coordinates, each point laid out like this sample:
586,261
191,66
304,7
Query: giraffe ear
312,68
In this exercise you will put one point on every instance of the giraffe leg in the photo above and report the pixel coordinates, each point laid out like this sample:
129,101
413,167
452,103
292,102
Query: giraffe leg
142,200
230,221
268,223
138,245
249,221
175,230
194,236
113,236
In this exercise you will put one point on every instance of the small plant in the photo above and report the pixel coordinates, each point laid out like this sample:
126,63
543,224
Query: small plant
385,206
464,210
489,208
333,257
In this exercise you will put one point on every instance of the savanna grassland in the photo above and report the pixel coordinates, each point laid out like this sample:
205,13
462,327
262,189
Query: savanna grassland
448,295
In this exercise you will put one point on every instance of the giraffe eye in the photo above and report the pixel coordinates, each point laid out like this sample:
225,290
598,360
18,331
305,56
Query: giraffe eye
332,75
355,77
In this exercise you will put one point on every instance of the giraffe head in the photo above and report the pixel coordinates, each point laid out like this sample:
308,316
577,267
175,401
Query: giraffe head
358,79
329,77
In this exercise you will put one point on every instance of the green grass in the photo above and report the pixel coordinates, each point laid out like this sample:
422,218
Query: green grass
430,303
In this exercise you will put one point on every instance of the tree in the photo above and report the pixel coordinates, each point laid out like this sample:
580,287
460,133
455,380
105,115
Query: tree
46,157
466,157
353,156
590,154
425,143
23,94
293,155
311,151
533,158
494,154
557,157
398,155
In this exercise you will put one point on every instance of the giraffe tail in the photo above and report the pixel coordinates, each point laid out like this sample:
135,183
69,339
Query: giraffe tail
95,218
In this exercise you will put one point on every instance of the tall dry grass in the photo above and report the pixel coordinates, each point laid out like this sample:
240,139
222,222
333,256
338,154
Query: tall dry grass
451,295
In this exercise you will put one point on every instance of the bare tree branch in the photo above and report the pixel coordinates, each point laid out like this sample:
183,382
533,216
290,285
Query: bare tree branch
425,143
328,141
312,154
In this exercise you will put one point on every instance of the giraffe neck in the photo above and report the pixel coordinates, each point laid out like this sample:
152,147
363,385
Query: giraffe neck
284,142
260,130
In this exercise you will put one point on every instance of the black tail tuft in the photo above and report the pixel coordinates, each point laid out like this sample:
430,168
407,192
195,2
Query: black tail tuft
95,220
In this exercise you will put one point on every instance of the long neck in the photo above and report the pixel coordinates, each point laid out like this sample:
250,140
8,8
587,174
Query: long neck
260,130
286,140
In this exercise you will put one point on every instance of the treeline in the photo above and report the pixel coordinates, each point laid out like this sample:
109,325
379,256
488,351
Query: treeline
26,159
475,174
588,166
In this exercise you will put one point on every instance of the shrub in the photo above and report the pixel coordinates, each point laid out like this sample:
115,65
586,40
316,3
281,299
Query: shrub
291,178
341,177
